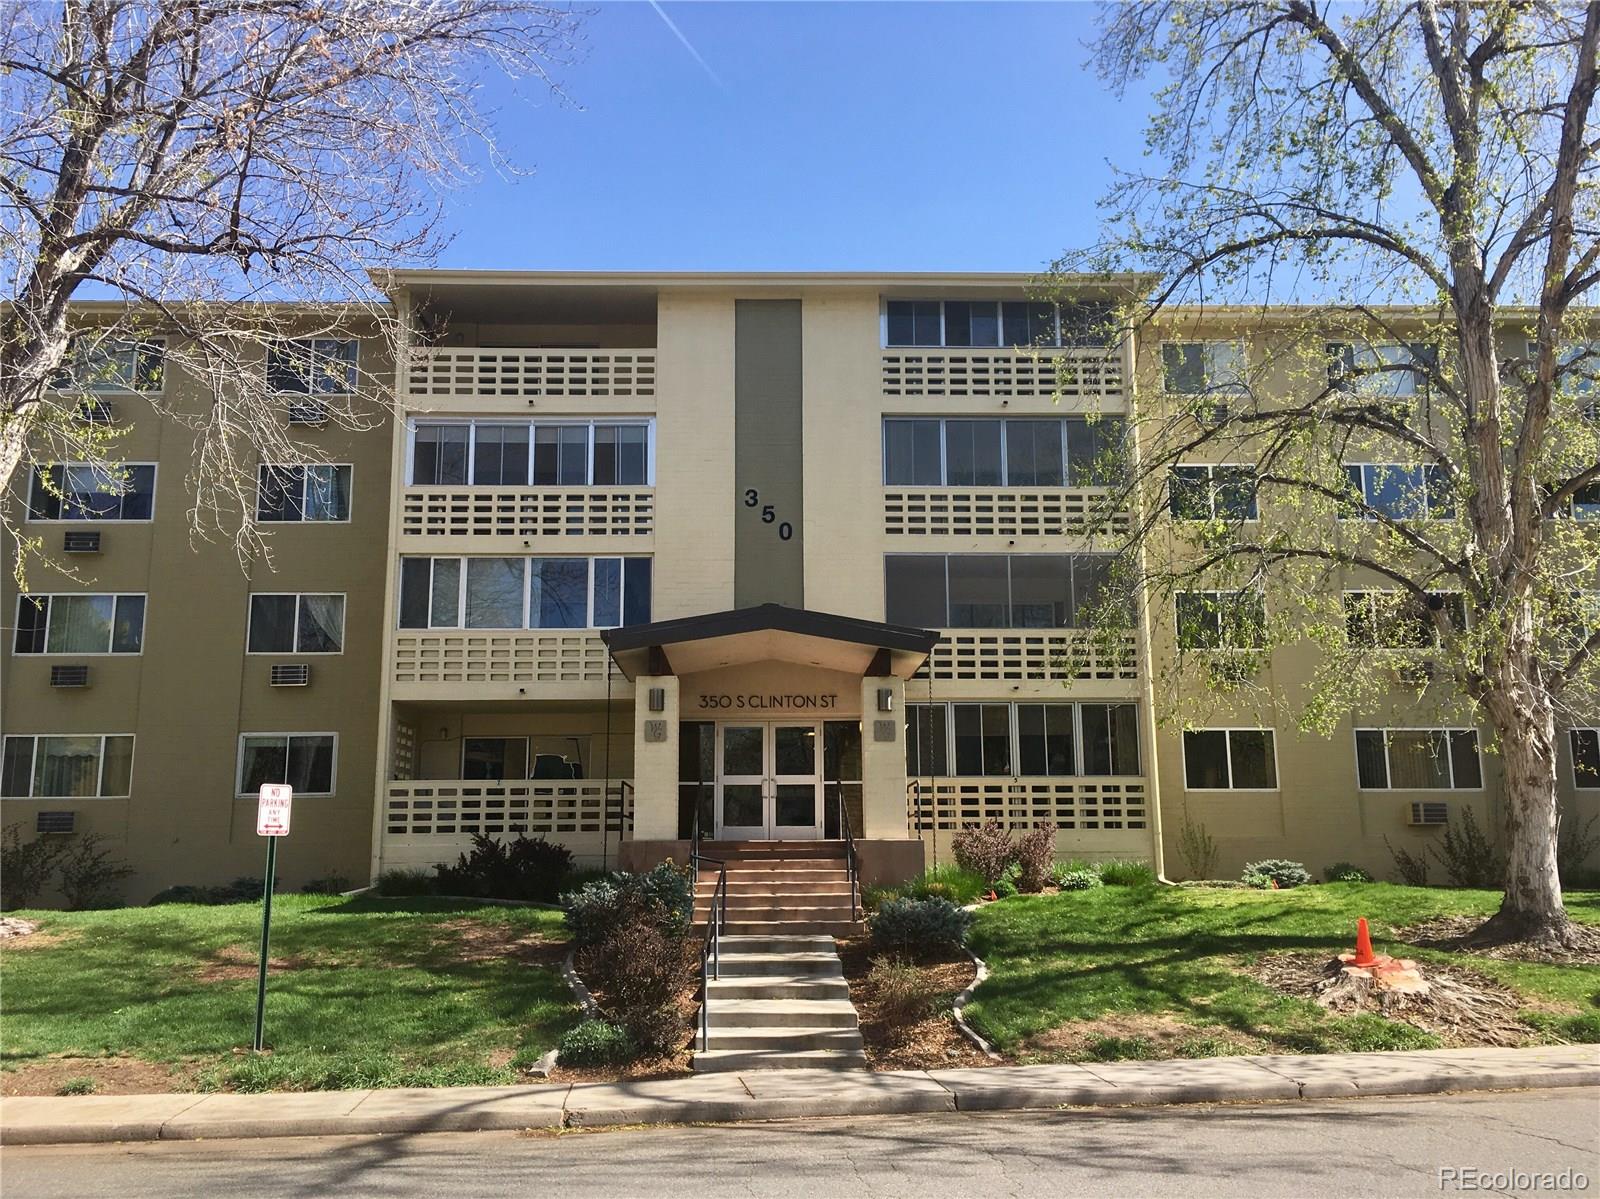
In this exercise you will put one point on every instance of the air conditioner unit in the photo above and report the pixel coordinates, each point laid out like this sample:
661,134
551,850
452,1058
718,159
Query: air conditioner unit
55,822
81,541
95,411
74,675
1429,815
291,674
1212,414
308,412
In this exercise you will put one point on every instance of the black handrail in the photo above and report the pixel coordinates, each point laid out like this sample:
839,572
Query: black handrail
716,920
849,855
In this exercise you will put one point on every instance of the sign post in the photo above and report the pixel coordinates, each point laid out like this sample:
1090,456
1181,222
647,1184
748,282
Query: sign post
272,822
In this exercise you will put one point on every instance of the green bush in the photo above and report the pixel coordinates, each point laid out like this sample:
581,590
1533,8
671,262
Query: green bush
637,953
241,890
919,925
985,849
1078,880
526,868
1346,872
1469,858
663,894
873,896
904,994
1006,885
26,866
1126,872
949,882
401,884
333,884
1411,867
89,875
1261,882
1280,870
595,1043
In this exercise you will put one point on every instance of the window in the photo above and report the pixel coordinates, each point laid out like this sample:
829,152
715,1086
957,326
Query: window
1399,619
1221,619
1015,323
79,624
500,453
1399,492
1203,367
1072,451
518,593
1418,759
111,366
494,757
1585,504
296,624
1230,760
914,323
303,493
67,767
1025,739
1577,371
312,366
81,491
1379,371
996,591
1213,492
305,761
971,323
1585,758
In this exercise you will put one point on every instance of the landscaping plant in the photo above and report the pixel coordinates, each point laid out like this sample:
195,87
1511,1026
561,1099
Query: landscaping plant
333,884
1036,853
1576,846
1280,870
1006,885
526,868
595,1043
241,890
26,866
1469,858
1197,847
949,882
401,884
904,994
919,926
1078,880
1411,867
665,892
1346,872
985,849
1125,872
90,874
642,964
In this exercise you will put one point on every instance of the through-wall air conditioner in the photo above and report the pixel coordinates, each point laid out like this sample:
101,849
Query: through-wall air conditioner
291,674
55,822
81,541
1429,814
73,675
1212,414
308,412
95,411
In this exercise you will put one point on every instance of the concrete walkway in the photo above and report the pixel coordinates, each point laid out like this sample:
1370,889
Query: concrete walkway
781,1094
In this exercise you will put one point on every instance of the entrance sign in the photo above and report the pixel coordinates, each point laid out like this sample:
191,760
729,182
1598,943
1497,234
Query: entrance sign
780,702
272,810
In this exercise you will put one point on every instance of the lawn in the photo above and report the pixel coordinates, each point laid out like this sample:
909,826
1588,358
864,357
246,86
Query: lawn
1152,971
363,992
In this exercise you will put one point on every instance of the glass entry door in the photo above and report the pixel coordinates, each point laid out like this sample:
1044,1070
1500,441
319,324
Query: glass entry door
769,781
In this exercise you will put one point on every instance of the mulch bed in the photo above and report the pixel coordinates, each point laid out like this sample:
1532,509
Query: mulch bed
933,1042
1451,932
109,1076
1462,1008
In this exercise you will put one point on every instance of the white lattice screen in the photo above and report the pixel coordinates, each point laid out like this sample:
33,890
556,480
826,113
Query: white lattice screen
531,373
1020,803
527,512
403,764
459,808
1048,655
998,511
467,657
1069,375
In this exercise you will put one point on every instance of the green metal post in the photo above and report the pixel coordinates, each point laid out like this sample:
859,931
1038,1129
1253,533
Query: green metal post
266,933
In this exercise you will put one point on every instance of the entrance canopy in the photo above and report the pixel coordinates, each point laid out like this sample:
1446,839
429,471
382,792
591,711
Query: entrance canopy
769,633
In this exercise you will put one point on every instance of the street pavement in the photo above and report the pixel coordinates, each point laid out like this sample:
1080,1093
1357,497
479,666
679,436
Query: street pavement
1517,1142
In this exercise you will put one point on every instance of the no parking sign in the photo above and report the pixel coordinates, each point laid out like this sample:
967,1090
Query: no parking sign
272,810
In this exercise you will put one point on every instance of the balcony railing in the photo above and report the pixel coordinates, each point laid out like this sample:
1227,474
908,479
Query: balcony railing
527,512
564,656
1093,375
1115,803
513,373
432,820
999,512
1032,655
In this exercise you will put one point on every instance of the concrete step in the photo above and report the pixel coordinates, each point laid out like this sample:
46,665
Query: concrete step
841,927
811,987
782,903
765,1059
787,867
741,943
781,1013
780,965
784,1039
779,913
767,887
777,849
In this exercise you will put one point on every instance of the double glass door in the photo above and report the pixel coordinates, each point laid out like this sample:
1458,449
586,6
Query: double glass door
769,781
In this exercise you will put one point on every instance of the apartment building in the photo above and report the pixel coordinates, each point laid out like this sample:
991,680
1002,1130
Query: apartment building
762,557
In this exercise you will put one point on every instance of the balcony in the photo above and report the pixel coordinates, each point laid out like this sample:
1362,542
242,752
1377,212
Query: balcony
432,820
1075,656
447,664
1074,805
1091,378
527,512
999,512
464,380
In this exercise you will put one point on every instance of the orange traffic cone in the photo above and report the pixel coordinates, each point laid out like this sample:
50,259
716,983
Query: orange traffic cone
1364,955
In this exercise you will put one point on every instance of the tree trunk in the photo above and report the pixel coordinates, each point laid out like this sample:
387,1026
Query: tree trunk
1532,910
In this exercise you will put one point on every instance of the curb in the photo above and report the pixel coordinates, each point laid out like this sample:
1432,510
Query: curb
958,1007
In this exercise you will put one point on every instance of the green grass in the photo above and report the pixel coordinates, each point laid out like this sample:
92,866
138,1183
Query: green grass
1172,953
377,992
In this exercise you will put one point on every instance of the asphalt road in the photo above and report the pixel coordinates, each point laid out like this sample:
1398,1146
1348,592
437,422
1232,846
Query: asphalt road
1368,1147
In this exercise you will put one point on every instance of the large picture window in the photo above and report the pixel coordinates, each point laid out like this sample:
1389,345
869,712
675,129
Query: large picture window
1418,759
993,323
303,493
524,593
1230,760
81,491
1585,758
79,766
79,624
111,366
1221,619
1022,739
305,761
296,624
996,591
312,366
1196,368
1399,492
1073,451
1378,371
1223,491
500,453
1392,619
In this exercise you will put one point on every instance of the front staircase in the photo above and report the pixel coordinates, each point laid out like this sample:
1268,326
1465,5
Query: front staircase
780,1000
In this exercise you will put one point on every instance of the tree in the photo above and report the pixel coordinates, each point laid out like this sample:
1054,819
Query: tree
1403,199
218,175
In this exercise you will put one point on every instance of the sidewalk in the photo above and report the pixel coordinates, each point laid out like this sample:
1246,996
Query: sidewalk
783,1094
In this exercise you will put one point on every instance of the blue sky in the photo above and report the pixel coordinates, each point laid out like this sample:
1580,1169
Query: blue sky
890,136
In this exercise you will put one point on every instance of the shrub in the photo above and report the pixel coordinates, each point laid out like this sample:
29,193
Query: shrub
1346,872
1469,858
984,849
663,895
333,884
905,995
1411,867
1280,870
1006,885
402,884
1261,882
919,925
1574,847
1126,872
595,1043
1036,853
77,1086
240,890
89,875
529,869
949,882
873,896
1078,880
1197,847
26,866
642,966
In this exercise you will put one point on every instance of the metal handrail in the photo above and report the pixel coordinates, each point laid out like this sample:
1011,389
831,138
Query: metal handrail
716,921
849,855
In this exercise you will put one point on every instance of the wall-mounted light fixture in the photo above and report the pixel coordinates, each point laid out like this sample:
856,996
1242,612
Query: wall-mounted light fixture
885,699
658,699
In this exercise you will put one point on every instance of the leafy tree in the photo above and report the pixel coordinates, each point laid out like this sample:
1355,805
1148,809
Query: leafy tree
1392,207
